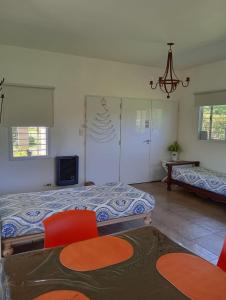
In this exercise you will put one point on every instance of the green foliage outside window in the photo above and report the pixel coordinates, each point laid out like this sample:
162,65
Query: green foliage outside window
213,122
29,141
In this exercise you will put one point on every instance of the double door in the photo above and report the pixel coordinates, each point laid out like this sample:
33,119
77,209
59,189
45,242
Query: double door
126,138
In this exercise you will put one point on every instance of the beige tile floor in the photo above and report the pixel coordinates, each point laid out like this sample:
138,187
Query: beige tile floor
197,224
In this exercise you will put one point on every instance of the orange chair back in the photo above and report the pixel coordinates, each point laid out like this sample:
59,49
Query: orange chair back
69,226
222,258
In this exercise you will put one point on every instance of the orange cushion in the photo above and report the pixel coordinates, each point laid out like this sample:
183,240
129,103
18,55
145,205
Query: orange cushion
193,276
62,295
95,253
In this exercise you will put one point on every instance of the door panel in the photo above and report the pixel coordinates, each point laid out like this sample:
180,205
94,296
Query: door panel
147,128
102,139
163,133
135,141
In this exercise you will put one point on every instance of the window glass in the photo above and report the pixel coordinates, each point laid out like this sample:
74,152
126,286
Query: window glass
29,142
212,122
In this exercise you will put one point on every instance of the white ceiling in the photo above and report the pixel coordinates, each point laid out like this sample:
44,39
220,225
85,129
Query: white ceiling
133,31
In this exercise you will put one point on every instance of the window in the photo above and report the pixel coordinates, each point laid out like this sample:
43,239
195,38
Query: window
212,122
28,142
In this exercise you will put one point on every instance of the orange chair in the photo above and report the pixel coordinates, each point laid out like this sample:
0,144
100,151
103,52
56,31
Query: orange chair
222,258
69,226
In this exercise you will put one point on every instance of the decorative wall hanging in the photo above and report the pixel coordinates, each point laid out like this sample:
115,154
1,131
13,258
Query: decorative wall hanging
169,81
102,129
1,99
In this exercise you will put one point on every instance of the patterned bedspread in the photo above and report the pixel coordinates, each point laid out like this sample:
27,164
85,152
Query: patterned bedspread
202,178
22,214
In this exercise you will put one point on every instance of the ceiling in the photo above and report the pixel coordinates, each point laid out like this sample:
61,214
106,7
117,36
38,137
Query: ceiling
132,31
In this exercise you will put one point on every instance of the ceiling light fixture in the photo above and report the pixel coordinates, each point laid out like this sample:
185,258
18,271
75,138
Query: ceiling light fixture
1,99
169,81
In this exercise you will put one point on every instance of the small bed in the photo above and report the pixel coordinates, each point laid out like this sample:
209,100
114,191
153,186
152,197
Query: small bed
202,181
22,214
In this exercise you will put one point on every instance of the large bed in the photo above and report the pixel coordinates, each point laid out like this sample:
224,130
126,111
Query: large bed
22,214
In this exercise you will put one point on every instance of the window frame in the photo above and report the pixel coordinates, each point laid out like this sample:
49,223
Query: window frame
200,119
10,142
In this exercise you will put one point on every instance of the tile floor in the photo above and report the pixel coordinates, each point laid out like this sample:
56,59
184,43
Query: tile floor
198,224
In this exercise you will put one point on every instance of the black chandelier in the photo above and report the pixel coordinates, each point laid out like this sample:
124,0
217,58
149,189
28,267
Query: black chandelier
1,99
169,81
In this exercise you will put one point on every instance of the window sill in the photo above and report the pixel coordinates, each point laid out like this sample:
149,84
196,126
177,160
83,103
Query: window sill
29,158
212,141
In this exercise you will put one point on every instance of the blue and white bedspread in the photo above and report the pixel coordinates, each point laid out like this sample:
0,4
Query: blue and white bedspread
202,178
22,214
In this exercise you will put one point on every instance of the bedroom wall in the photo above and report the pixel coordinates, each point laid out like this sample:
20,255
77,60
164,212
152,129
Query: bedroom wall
203,78
73,77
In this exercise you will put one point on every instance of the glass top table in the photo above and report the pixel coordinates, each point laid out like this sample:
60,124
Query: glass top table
29,275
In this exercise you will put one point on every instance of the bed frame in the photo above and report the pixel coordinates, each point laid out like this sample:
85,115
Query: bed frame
8,244
198,191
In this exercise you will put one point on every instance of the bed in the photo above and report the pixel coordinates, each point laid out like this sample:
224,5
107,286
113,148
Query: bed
22,214
202,181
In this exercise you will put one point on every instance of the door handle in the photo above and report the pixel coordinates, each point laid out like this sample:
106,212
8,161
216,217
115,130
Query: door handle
147,141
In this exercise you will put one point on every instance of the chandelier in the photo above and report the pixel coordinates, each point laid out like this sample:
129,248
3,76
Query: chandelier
1,99
169,81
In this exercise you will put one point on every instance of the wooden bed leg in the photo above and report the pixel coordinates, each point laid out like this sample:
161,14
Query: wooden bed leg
169,177
0,239
169,186
147,220
7,249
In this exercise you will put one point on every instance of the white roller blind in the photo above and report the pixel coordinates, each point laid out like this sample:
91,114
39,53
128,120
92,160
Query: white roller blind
210,98
27,106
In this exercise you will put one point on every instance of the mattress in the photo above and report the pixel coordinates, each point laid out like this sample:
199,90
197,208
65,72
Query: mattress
22,214
201,178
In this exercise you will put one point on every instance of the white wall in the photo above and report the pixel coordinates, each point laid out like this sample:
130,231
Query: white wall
203,78
73,77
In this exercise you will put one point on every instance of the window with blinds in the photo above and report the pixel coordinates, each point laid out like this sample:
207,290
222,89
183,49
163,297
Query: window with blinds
212,122
29,142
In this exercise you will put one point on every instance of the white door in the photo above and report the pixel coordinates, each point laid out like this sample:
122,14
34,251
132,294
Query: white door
163,132
102,139
135,140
